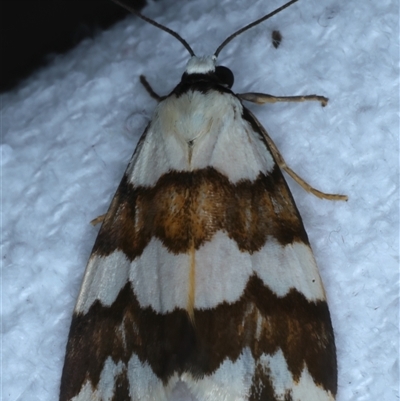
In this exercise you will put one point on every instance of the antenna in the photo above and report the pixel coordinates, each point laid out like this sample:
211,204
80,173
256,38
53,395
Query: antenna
156,24
245,28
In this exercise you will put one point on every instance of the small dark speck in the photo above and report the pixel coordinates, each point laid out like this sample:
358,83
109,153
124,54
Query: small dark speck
276,38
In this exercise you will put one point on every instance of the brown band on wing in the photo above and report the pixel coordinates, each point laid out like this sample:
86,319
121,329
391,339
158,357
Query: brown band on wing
169,343
185,208
302,329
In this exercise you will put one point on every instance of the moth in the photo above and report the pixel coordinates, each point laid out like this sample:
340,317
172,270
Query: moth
202,282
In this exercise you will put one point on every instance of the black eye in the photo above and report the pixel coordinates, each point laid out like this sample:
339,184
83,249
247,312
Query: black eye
224,75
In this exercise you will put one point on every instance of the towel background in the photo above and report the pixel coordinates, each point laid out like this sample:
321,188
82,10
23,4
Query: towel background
69,130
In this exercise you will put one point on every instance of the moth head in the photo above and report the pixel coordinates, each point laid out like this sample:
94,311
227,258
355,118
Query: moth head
206,67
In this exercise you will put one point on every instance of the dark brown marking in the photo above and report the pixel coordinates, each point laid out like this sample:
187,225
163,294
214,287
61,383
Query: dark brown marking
192,206
262,387
121,388
276,38
170,343
202,83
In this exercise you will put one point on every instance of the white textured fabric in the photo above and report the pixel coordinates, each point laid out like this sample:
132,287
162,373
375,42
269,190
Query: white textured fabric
69,131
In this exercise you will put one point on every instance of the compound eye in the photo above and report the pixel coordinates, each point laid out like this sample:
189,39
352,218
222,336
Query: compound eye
224,75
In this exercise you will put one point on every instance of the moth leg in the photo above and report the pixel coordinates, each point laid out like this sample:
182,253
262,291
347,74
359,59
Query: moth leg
282,164
261,98
150,90
98,219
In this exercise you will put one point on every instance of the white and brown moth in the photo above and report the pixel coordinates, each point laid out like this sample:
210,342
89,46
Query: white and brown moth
202,278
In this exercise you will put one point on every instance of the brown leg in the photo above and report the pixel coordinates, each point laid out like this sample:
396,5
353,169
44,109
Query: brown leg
261,98
282,164
150,90
98,219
